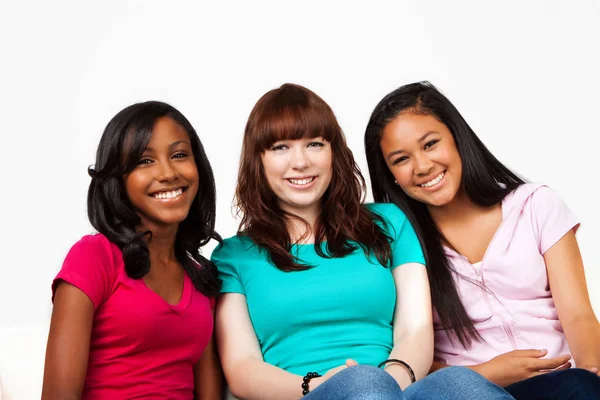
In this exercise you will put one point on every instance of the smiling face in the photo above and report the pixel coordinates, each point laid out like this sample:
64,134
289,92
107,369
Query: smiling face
421,153
299,172
163,185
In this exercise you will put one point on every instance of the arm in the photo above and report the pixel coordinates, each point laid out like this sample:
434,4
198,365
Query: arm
68,344
569,291
248,376
413,326
208,375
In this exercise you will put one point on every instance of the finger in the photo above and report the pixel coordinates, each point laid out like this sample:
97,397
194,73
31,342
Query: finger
549,363
536,353
334,371
351,363
561,368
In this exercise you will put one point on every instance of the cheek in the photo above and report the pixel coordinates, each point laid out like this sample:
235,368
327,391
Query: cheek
403,177
134,184
273,167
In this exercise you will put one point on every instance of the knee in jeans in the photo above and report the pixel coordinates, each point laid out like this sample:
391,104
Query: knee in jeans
367,377
456,373
585,380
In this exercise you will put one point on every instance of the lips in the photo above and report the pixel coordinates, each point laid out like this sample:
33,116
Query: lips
301,181
168,194
434,181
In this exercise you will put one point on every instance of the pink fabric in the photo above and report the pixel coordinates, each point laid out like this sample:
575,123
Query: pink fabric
141,346
512,307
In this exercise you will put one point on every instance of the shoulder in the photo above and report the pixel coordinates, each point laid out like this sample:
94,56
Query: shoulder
93,246
92,265
236,246
540,195
390,212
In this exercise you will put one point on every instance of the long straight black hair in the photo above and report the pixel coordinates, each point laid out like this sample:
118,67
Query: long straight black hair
111,213
485,180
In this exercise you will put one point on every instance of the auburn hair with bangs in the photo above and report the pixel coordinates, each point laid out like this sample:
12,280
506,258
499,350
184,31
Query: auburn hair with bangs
293,112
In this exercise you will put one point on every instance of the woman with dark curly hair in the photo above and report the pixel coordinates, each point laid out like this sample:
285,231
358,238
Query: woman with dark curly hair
133,304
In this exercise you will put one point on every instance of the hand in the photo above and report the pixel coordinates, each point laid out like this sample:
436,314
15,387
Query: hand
517,365
317,381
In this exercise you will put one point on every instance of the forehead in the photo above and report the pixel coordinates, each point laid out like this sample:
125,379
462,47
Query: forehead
409,127
167,131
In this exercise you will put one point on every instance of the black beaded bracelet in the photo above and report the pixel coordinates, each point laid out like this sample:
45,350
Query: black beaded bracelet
404,364
306,381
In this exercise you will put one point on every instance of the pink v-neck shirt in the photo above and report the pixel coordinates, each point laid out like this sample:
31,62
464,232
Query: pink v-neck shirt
141,346
507,295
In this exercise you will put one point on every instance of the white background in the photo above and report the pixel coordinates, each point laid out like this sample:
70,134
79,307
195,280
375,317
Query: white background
525,75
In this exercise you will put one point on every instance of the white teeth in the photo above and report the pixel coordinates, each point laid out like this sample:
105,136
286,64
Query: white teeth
301,181
169,195
434,181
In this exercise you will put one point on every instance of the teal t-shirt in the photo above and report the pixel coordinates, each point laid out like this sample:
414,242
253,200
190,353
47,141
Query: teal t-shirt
314,320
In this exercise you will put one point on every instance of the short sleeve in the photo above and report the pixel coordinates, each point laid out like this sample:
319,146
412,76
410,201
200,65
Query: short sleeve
226,258
90,267
405,244
552,217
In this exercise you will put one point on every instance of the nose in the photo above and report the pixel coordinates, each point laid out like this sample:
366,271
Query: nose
423,165
166,172
300,159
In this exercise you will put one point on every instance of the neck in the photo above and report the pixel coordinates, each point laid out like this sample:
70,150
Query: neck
298,229
460,207
162,246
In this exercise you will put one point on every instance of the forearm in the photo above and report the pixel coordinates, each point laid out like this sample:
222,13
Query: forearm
417,351
254,379
583,335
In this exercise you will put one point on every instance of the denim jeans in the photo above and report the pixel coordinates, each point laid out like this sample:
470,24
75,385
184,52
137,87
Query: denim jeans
363,382
572,384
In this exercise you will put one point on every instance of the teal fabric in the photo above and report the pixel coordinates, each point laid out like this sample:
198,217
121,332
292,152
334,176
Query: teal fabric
314,320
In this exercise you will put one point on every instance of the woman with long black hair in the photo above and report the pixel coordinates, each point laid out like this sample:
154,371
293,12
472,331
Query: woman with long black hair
506,276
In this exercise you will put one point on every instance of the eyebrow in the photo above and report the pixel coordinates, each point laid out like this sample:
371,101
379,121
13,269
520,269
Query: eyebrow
395,152
171,146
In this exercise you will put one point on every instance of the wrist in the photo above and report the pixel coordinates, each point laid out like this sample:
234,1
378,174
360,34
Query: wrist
308,382
315,382
399,374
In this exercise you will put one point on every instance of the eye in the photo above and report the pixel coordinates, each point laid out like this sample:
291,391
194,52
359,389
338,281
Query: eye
180,155
430,143
144,161
316,144
399,160
278,147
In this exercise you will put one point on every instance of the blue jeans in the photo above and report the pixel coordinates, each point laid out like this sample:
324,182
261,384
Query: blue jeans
572,384
365,382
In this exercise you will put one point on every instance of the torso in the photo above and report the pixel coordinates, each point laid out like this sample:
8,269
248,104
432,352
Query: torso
146,338
316,319
507,294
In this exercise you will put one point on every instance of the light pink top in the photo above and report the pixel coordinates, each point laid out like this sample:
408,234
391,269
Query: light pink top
141,346
508,296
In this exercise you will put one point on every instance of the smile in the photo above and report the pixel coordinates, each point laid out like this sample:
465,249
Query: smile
171,194
434,181
301,182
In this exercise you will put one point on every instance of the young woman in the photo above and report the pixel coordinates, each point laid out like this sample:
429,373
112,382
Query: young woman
133,304
315,282
506,274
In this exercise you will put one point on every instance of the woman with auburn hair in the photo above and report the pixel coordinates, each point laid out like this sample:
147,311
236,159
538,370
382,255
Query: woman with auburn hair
320,290
506,274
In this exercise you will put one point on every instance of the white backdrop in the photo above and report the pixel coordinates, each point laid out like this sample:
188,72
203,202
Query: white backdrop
523,73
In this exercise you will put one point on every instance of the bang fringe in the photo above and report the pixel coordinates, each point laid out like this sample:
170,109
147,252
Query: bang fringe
295,122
